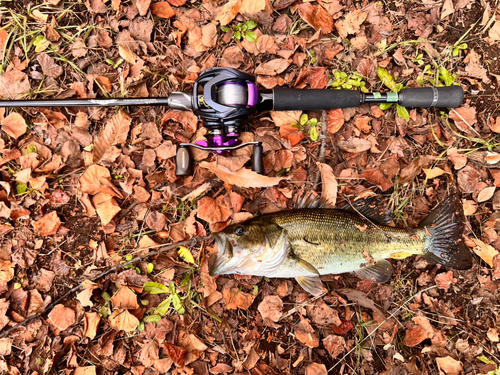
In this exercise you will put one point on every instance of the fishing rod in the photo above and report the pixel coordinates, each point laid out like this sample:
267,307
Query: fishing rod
223,98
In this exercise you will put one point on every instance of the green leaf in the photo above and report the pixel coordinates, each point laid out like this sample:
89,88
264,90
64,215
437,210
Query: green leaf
224,29
30,149
251,24
185,254
313,121
255,290
237,35
384,106
295,125
387,79
251,37
176,300
105,296
41,43
155,288
129,257
163,307
303,119
446,76
244,28
21,188
486,360
236,27
140,327
313,133
150,267
152,319
403,112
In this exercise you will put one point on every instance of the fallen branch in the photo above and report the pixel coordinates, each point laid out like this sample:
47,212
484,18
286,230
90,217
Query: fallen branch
105,273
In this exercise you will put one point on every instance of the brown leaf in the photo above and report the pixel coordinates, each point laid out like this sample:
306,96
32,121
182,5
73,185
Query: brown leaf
122,320
273,67
125,298
335,119
316,369
449,365
317,17
271,308
377,177
475,68
444,280
92,320
486,194
236,299
47,225
355,145
433,172
470,207
292,133
142,6
362,299
492,334
447,9
187,118
423,331
351,23
86,370
209,35
6,270
96,6
243,178
14,84
221,368
253,7
43,280
3,39
469,179
233,163
97,179
306,334
484,251
106,207
464,117
329,182
14,125
363,124
212,211
265,44
316,77
322,314
459,160
6,342
177,3
61,317
335,345
229,11
127,54
114,133
281,118
176,353
49,66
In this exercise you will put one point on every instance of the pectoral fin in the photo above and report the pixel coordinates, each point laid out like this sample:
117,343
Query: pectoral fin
306,265
380,272
311,284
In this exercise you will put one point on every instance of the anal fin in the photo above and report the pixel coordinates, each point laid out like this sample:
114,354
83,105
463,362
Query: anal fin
380,272
311,284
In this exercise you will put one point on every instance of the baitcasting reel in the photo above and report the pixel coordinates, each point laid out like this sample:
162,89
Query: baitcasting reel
223,98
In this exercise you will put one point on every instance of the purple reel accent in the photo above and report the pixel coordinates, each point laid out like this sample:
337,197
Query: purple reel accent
253,94
219,141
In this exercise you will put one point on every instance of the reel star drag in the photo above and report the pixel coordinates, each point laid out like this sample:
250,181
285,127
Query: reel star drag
223,98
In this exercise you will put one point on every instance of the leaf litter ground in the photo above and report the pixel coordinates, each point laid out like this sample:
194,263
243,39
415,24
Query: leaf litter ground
65,220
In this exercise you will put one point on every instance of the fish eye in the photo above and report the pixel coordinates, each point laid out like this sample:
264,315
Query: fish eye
239,231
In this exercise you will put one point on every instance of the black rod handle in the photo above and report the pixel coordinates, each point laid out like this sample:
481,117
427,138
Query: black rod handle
314,99
428,97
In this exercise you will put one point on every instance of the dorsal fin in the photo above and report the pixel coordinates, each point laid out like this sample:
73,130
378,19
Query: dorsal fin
373,208
311,201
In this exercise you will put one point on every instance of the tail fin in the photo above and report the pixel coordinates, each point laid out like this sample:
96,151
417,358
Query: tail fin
444,228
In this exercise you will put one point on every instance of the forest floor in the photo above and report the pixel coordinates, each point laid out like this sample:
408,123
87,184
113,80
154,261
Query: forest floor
83,190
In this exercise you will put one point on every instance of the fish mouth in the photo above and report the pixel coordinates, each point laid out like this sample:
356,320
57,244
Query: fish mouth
225,250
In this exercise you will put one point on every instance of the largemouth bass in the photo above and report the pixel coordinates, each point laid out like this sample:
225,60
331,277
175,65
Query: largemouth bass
307,242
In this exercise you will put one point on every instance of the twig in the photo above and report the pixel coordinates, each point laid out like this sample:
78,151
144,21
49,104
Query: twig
105,273
322,150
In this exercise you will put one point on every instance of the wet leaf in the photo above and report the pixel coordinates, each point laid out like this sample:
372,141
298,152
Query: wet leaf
14,125
122,320
61,317
125,298
115,133
243,177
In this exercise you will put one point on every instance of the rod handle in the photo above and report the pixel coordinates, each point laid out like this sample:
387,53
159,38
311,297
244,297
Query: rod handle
427,97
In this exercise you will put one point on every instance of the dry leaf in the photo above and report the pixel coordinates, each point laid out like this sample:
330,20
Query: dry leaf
47,225
142,6
292,133
3,39
122,320
243,178
362,123
106,207
61,317
162,10
335,119
464,117
449,365
474,67
14,125
6,344
484,251
355,145
229,11
377,177
316,369
97,179
306,334
273,67
447,9
444,280
271,308
14,84
335,345
87,370
423,331
317,17
329,182
125,298
433,172
49,66
493,335
6,270
470,207
351,23
486,194
281,118
213,211
236,299
209,35
254,7
115,133
221,368
128,55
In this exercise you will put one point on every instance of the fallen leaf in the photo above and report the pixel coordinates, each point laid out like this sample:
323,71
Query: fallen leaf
459,160
6,344
123,320
447,9
61,317
273,67
97,179
355,145
433,172
254,7
236,299
49,66
86,370
322,314
106,207
3,39
444,280
362,299
484,251
91,323
335,119
335,345
14,84
363,124
209,35
176,353
449,365
470,207
142,6
329,182
243,178
127,54
251,360
486,194
162,10
229,11
351,23
317,17
292,133
115,133
469,180
306,334
125,298
47,225
423,331
316,77
281,118
221,368
492,334
14,125
464,117
271,308
177,3
6,270
474,66
187,118
212,211
316,369
494,33
377,177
